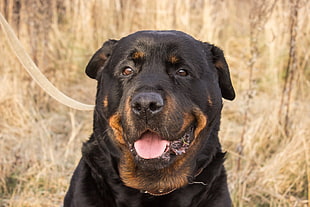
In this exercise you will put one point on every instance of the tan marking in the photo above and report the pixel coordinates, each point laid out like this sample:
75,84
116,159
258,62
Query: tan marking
103,56
173,59
128,116
210,102
138,55
170,106
219,64
188,118
105,102
201,121
115,124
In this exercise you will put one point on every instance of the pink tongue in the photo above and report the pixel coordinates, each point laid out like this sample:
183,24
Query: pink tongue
150,146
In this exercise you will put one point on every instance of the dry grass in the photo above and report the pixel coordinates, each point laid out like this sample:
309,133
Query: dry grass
265,130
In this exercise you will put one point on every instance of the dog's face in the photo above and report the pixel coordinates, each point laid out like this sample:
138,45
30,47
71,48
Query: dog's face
160,92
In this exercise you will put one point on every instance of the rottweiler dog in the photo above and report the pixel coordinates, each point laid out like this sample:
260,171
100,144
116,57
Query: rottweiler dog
156,121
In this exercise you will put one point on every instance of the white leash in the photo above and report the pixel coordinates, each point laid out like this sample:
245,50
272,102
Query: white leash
35,72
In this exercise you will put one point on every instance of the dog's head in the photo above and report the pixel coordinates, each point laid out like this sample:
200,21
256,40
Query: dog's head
161,94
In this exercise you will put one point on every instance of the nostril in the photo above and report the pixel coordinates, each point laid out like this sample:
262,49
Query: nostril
154,106
147,103
137,107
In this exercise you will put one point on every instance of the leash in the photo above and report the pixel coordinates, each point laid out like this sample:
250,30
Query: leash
35,72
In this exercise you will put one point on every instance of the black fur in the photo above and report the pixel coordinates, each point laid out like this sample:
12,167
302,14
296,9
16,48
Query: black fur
161,82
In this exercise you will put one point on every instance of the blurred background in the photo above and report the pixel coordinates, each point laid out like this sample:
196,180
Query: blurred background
265,130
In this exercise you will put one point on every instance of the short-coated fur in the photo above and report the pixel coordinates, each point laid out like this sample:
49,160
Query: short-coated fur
169,84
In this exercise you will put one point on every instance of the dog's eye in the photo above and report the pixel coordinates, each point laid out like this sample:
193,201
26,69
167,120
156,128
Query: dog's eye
127,71
182,72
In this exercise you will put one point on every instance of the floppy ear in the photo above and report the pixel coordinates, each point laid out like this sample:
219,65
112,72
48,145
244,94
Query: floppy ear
96,63
220,64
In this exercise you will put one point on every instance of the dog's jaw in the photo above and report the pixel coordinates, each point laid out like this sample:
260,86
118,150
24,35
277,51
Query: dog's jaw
167,177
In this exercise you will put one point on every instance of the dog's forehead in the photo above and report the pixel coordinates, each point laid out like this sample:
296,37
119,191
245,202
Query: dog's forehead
162,40
158,35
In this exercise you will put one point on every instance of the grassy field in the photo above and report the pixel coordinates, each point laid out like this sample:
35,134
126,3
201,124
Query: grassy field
266,130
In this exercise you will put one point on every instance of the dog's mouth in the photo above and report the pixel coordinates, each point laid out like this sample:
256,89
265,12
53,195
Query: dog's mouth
151,145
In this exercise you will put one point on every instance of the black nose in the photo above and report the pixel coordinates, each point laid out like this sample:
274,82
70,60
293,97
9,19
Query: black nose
147,103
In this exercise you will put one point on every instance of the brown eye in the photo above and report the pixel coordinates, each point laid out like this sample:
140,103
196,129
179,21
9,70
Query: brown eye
127,71
182,72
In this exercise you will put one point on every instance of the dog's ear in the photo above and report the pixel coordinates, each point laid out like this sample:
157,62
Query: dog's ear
221,65
96,63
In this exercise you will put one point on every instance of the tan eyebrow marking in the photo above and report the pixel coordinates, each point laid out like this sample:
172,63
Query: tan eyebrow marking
173,59
219,65
138,55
